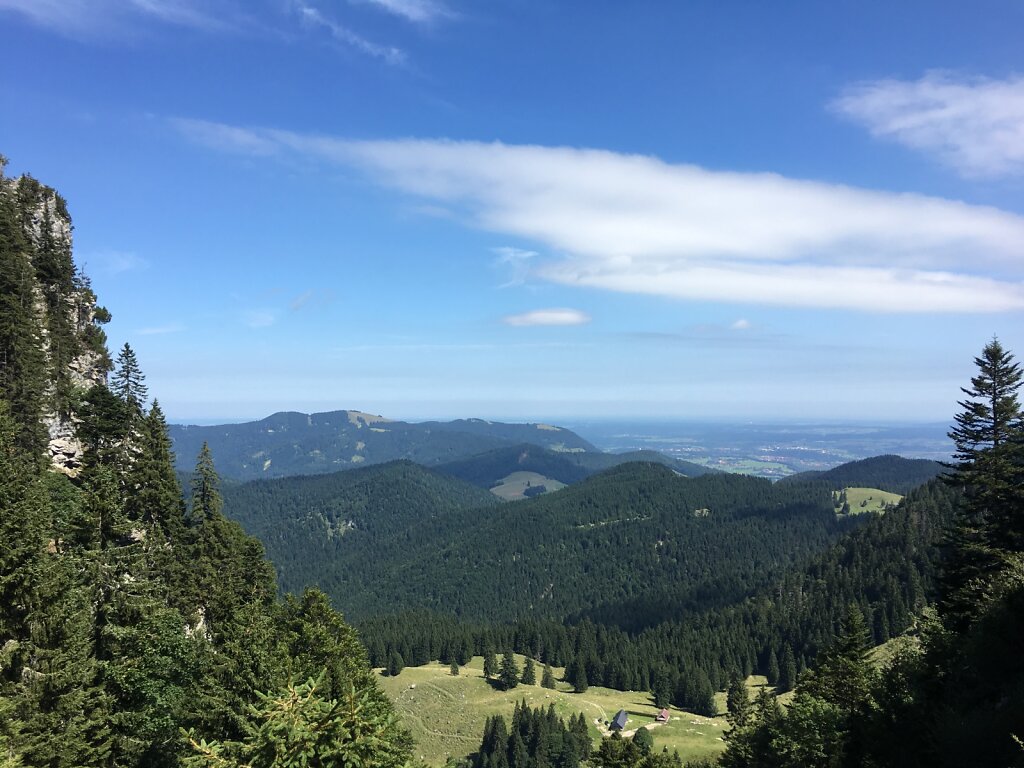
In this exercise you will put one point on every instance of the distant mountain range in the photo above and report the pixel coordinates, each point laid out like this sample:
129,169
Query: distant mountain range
290,443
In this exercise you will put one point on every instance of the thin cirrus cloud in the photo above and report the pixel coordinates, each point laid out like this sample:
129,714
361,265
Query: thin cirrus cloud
313,17
548,317
516,262
99,19
416,11
102,18
636,224
975,125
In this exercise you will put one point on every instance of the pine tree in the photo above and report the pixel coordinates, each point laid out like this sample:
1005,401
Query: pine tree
844,673
299,728
661,689
395,664
490,662
738,703
509,675
453,669
773,668
206,499
990,457
580,682
529,676
644,741
547,679
128,381
787,671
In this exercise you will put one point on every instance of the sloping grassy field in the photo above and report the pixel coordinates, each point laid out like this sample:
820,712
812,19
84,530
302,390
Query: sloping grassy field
513,487
446,714
868,500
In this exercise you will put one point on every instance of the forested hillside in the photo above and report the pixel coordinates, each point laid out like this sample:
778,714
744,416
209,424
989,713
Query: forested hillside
488,469
957,697
137,629
888,473
337,530
886,568
627,538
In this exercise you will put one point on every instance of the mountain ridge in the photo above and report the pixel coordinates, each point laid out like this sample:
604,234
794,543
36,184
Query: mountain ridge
294,443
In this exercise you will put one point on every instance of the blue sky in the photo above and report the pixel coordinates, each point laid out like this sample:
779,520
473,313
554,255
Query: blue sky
534,210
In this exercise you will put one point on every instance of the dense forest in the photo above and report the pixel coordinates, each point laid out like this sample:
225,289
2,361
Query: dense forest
888,473
138,628
615,544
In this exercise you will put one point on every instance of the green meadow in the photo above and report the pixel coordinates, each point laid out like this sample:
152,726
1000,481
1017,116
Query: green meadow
446,713
867,500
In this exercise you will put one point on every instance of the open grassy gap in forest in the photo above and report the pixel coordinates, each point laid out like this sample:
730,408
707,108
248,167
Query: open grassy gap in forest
446,713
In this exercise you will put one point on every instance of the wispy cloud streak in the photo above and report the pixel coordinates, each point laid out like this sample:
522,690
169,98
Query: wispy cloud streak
549,317
639,225
313,17
975,125
416,11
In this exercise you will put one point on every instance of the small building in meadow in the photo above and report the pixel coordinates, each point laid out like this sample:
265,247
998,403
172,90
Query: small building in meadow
662,716
619,721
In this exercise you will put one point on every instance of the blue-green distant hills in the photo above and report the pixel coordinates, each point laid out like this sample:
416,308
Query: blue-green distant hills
290,443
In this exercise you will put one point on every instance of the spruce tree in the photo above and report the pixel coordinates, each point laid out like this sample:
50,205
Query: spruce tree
490,662
128,381
547,679
738,702
529,676
644,741
844,674
988,438
509,674
206,498
787,671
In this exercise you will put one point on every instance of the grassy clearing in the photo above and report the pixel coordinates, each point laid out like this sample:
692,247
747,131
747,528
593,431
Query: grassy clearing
866,500
446,714
512,487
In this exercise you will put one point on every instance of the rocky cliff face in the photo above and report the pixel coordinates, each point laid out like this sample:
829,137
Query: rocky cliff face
58,316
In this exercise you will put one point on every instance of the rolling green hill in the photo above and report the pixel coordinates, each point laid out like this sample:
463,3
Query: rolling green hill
399,536
319,528
888,473
490,469
287,444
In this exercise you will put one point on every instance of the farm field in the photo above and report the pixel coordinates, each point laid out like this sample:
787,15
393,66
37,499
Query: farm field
446,714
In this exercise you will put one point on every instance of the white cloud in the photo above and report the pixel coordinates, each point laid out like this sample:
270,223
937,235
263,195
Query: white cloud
741,325
90,18
120,18
223,137
418,11
342,34
516,261
549,317
111,262
975,125
636,224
